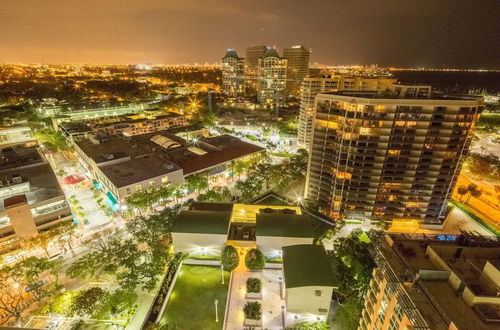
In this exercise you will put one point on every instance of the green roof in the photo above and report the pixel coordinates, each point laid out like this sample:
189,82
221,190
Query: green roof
307,265
284,225
202,222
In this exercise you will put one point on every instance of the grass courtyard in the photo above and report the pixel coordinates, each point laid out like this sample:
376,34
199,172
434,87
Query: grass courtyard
191,304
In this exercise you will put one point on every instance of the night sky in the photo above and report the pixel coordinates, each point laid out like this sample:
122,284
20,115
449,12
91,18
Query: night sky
437,33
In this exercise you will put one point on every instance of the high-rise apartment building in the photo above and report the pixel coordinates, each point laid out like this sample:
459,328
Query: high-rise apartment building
392,156
233,74
313,85
272,79
297,68
434,282
253,54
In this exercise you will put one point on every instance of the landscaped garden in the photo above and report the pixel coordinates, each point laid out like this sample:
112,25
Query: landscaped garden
191,304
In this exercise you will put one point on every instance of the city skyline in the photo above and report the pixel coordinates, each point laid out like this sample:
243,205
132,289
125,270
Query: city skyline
427,34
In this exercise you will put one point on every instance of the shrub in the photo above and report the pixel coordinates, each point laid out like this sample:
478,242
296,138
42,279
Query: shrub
310,326
252,310
254,285
229,258
255,260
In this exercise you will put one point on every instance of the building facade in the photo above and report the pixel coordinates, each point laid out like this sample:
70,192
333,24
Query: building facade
313,85
297,68
252,56
32,199
233,74
423,282
391,157
272,79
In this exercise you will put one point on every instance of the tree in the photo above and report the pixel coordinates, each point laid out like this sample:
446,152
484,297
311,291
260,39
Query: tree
476,193
310,326
52,140
33,273
352,266
64,233
197,182
252,310
229,258
13,299
462,191
88,301
43,240
117,303
254,260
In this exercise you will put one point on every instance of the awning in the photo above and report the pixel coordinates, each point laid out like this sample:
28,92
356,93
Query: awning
97,184
111,197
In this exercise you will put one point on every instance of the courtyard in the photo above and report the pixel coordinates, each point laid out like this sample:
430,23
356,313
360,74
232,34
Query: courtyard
191,304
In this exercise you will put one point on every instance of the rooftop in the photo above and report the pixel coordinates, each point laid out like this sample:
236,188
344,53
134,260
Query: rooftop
392,96
137,170
202,222
436,299
168,147
307,265
284,225
42,181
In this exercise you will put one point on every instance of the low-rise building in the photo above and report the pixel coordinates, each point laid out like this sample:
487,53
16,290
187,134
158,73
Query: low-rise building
309,279
124,125
269,228
16,136
124,165
278,228
32,197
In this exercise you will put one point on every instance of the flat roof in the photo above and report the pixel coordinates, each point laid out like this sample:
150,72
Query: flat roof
390,96
283,225
42,180
137,170
202,222
407,252
218,150
222,207
232,148
307,265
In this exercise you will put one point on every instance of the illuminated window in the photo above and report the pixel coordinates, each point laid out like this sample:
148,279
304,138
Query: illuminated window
394,152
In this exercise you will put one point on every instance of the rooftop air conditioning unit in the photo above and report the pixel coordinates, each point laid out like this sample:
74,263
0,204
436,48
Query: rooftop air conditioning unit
17,179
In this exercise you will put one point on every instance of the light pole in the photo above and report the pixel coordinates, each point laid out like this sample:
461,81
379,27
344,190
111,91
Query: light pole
216,314
222,272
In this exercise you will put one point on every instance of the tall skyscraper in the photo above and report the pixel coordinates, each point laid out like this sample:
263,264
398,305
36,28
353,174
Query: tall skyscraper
233,74
313,85
429,284
253,54
298,67
272,79
389,156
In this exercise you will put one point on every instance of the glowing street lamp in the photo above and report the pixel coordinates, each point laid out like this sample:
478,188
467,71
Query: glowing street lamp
216,312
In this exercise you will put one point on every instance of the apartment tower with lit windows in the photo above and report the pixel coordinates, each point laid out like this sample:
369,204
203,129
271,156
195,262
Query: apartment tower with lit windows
297,68
313,85
252,56
392,155
233,74
272,79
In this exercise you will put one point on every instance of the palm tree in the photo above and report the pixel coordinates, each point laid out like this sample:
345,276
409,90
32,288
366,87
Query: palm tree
475,193
462,191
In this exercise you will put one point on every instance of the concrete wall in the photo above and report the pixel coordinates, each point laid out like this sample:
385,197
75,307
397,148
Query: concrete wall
22,220
271,245
202,244
303,300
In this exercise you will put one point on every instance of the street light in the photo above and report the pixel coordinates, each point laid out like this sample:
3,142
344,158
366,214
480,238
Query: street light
216,313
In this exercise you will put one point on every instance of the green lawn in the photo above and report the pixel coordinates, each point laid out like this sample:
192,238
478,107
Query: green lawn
191,305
